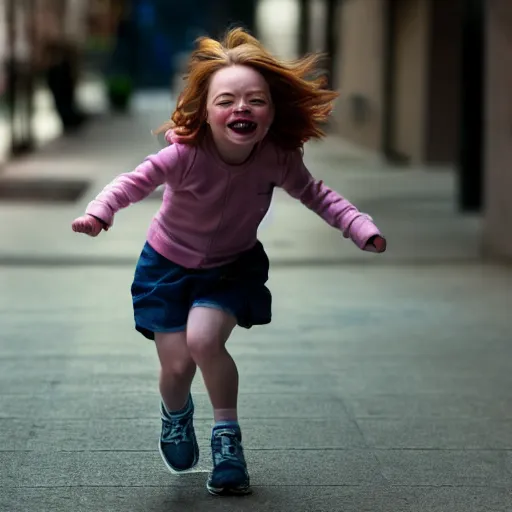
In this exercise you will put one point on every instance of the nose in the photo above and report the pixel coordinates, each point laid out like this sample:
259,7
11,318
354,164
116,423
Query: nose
242,106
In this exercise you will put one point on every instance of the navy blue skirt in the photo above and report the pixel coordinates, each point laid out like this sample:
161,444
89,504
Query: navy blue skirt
163,292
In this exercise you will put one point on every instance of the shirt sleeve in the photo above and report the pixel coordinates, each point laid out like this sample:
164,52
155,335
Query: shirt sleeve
334,209
132,187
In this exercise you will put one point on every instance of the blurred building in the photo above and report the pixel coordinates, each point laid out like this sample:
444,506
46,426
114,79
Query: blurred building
427,82
399,74
423,82
497,121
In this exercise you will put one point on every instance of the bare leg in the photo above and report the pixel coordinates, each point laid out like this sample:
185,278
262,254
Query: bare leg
177,369
207,332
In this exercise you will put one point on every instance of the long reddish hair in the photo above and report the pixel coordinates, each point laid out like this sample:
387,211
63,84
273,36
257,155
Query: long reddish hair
301,101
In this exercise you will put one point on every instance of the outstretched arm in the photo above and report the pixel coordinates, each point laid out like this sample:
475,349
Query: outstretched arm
129,188
331,206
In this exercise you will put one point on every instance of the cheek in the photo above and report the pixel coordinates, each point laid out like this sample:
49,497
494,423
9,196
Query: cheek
218,118
266,121
266,117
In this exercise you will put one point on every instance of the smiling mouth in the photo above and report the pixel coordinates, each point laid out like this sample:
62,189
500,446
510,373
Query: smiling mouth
243,127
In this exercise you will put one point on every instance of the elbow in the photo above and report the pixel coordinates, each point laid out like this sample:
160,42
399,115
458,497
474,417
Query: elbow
314,195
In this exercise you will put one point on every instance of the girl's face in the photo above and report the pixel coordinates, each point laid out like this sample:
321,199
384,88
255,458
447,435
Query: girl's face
239,111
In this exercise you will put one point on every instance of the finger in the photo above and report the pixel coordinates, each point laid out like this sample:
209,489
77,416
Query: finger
77,226
94,231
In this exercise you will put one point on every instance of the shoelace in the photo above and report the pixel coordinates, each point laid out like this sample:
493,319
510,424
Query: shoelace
226,446
175,431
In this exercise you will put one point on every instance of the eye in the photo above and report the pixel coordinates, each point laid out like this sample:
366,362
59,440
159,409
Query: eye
225,103
258,102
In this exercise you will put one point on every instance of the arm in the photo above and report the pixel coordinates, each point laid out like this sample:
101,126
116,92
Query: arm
329,205
134,186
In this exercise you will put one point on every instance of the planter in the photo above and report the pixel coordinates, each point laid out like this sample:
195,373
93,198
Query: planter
119,92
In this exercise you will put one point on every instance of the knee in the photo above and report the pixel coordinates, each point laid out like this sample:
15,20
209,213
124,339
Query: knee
178,368
202,345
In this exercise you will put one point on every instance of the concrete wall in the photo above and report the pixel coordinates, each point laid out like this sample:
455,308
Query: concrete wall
498,122
317,12
443,95
410,78
423,63
360,72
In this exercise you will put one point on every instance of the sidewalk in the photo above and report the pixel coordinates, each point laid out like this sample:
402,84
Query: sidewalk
381,385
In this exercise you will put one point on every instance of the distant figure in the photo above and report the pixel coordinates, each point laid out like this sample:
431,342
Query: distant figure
237,133
56,37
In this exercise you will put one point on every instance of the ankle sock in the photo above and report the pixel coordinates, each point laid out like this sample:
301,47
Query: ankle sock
227,424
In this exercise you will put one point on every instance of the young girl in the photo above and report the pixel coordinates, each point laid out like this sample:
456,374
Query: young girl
237,132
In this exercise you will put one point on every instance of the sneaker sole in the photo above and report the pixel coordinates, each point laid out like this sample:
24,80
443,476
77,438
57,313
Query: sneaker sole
229,491
173,470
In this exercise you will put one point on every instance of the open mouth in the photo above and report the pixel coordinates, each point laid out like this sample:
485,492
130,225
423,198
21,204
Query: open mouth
243,127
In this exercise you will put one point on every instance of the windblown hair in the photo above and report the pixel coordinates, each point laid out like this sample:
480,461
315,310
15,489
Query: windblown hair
300,99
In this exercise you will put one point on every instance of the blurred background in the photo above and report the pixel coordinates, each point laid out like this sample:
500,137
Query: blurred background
417,77
383,382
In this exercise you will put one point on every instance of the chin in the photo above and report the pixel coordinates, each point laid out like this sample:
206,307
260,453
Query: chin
244,143
247,141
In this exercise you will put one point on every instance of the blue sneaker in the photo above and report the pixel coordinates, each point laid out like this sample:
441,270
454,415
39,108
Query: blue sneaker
229,474
178,444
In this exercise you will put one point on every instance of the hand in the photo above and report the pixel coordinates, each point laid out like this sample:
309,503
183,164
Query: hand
89,225
376,244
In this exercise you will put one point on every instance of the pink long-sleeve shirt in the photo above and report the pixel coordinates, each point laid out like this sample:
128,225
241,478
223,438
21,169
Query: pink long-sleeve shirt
211,210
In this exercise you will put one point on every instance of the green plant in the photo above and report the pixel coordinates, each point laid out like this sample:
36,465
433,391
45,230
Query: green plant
120,90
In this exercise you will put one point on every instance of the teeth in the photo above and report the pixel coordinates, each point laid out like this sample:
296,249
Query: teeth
242,124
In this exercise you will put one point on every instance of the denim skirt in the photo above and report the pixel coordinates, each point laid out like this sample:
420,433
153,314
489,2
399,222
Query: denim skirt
163,292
